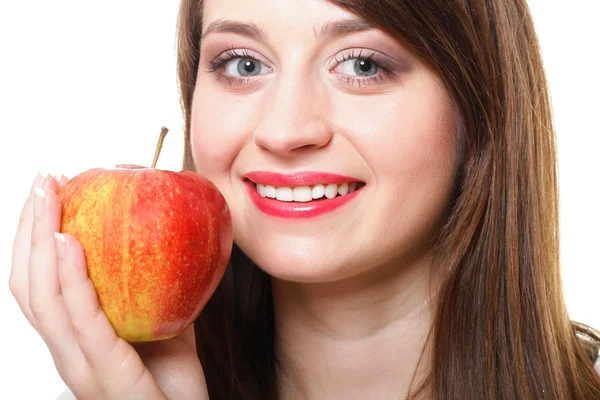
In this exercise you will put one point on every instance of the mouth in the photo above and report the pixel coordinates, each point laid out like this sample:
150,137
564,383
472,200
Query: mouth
306,194
306,201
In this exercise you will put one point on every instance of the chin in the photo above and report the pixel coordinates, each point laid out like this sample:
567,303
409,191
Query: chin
300,274
304,269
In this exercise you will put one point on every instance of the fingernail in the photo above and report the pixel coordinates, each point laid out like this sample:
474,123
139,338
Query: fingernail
39,202
46,184
61,244
36,182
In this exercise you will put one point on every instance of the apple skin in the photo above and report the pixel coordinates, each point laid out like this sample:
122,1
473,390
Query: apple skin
156,244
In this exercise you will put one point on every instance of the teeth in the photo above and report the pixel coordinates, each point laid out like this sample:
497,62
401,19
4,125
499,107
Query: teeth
331,190
285,194
306,193
261,189
303,193
271,191
318,191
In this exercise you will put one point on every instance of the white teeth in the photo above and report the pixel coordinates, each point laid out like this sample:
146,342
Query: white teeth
270,191
285,194
303,194
306,193
331,190
318,191
261,189
266,190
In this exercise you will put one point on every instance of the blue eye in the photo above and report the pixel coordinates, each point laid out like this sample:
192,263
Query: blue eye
245,67
359,66
239,68
238,64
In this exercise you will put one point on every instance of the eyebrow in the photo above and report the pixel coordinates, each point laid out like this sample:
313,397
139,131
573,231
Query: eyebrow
329,30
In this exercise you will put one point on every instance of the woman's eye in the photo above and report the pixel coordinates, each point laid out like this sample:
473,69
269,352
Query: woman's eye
239,68
359,66
245,67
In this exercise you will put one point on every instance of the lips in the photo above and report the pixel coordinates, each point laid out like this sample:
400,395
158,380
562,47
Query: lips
300,180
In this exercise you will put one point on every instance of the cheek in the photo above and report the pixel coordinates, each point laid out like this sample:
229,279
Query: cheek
219,128
409,136
409,142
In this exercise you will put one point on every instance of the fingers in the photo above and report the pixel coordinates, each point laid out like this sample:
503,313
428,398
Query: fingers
50,282
115,364
44,286
94,332
19,272
19,275
61,180
46,304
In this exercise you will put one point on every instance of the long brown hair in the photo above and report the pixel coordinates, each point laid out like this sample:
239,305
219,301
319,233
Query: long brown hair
501,330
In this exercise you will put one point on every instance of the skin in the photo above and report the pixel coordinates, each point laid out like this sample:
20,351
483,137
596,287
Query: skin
50,283
351,288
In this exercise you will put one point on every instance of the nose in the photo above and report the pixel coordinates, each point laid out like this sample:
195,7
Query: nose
293,120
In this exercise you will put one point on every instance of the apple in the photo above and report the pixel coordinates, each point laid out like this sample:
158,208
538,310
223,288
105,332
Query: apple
156,244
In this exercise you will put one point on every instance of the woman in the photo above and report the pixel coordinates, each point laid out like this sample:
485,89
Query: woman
390,170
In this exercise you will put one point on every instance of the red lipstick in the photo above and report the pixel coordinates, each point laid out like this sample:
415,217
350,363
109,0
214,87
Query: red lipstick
291,209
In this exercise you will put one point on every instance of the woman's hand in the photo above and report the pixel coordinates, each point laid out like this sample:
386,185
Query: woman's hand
49,281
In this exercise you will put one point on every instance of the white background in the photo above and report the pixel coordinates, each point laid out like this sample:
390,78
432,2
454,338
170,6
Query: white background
88,84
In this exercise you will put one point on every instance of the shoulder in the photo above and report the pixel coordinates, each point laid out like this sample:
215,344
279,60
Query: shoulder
589,339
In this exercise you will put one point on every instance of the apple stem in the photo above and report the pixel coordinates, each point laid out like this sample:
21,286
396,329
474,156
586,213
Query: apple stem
161,139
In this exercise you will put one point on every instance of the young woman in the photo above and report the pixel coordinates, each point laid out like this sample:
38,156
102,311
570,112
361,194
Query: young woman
390,170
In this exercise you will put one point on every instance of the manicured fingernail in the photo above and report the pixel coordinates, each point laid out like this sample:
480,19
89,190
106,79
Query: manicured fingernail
36,182
46,183
39,202
61,244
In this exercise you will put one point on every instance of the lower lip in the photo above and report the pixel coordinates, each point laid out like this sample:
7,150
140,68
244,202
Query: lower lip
292,209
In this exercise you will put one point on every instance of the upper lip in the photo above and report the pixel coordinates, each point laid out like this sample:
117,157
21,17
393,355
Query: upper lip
300,178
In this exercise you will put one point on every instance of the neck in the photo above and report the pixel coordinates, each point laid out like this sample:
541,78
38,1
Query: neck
361,337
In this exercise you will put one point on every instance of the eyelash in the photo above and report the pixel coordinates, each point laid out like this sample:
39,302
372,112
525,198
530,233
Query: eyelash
231,54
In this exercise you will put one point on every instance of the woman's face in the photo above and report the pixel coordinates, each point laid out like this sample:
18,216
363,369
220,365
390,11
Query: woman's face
289,91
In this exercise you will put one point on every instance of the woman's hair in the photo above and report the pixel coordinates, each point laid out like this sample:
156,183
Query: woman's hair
501,328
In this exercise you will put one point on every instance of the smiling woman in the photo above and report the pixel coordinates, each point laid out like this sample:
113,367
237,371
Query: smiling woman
445,245
390,170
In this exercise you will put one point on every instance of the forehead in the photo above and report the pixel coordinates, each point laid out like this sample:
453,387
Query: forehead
290,15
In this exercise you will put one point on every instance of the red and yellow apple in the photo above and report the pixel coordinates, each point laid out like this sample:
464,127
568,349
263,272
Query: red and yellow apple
156,244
